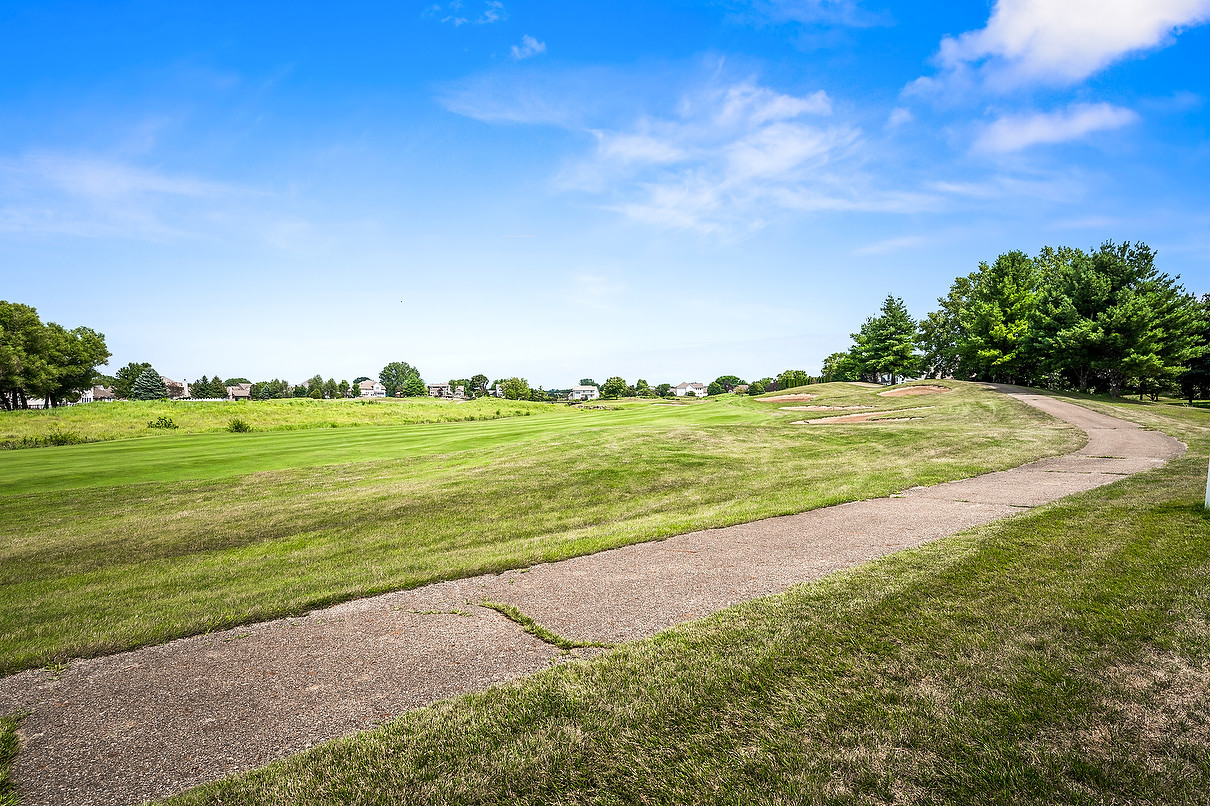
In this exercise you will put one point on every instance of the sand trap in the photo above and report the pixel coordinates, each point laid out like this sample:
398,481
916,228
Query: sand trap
864,417
788,398
912,391
823,408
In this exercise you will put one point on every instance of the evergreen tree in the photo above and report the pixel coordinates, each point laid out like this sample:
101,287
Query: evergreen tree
148,386
886,344
994,320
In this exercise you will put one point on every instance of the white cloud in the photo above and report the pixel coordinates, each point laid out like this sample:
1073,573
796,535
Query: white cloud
808,12
456,14
1015,132
732,157
898,117
891,245
528,47
90,196
1058,42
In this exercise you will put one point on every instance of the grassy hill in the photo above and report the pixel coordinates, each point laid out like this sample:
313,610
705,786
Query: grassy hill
111,545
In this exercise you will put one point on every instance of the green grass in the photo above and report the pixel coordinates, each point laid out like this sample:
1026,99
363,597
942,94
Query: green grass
9,745
1059,657
108,546
124,419
537,630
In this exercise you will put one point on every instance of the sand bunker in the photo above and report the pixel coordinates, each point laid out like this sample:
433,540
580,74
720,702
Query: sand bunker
788,398
911,391
823,408
864,417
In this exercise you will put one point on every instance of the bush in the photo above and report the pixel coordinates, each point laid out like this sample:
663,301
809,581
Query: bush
238,426
53,438
162,422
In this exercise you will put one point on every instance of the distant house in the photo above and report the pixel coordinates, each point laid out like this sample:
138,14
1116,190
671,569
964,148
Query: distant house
371,389
443,390
175,388
497,391
742,389
241,391
97,394
584,393
690,389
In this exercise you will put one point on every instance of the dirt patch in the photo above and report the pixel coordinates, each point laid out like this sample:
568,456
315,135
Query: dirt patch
823,408
788,398
912,391
864,417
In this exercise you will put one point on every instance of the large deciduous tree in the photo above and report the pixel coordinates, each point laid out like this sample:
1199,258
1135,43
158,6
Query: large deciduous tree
994,319
395,374
614,387
44,360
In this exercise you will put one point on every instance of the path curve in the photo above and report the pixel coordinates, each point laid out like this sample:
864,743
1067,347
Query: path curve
143,724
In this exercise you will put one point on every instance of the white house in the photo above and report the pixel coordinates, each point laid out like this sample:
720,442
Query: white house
690,389
371,388
443,390
584,393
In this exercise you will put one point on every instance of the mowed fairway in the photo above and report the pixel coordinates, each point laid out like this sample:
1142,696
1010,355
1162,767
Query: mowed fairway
1062,656
108,546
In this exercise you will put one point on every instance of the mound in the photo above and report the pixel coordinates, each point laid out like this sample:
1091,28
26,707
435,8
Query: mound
864,417
788,398
911,391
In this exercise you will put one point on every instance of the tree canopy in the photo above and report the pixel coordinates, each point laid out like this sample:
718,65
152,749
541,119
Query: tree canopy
614,387
45,360
396,374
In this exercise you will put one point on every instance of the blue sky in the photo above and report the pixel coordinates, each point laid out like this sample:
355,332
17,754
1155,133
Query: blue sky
669,191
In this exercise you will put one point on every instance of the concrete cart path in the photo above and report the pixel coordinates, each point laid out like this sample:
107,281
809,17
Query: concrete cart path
144,724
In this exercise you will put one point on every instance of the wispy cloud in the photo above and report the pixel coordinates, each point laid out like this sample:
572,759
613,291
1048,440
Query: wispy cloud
528,47
1043,42
98,196
808,12
1016,132
457,14
892,245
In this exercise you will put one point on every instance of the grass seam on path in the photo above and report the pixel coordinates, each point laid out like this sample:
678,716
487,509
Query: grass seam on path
537,630
9,745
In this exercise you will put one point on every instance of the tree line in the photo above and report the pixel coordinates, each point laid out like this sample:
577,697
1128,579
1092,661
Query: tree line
1104,320
43,359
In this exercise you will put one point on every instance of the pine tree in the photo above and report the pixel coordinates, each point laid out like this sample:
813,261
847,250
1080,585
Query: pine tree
148,386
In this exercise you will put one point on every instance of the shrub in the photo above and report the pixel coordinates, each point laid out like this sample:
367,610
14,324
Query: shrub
53,438
238,426
162,422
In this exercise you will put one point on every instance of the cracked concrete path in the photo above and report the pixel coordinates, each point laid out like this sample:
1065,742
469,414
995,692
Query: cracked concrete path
144,724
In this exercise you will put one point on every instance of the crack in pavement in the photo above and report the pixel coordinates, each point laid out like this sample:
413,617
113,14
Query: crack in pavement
150,722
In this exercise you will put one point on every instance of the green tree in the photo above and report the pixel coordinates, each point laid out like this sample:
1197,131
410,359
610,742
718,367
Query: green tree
994,322
478,386
839,367
728,383
715,388
413,386
125,377
330,389
886,344
360,378
235,381
642,388
1110,317
941,331
1195,379
342,389
395,374
756,388
613,387
664,389
588,382
515,388
148,386
792,378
